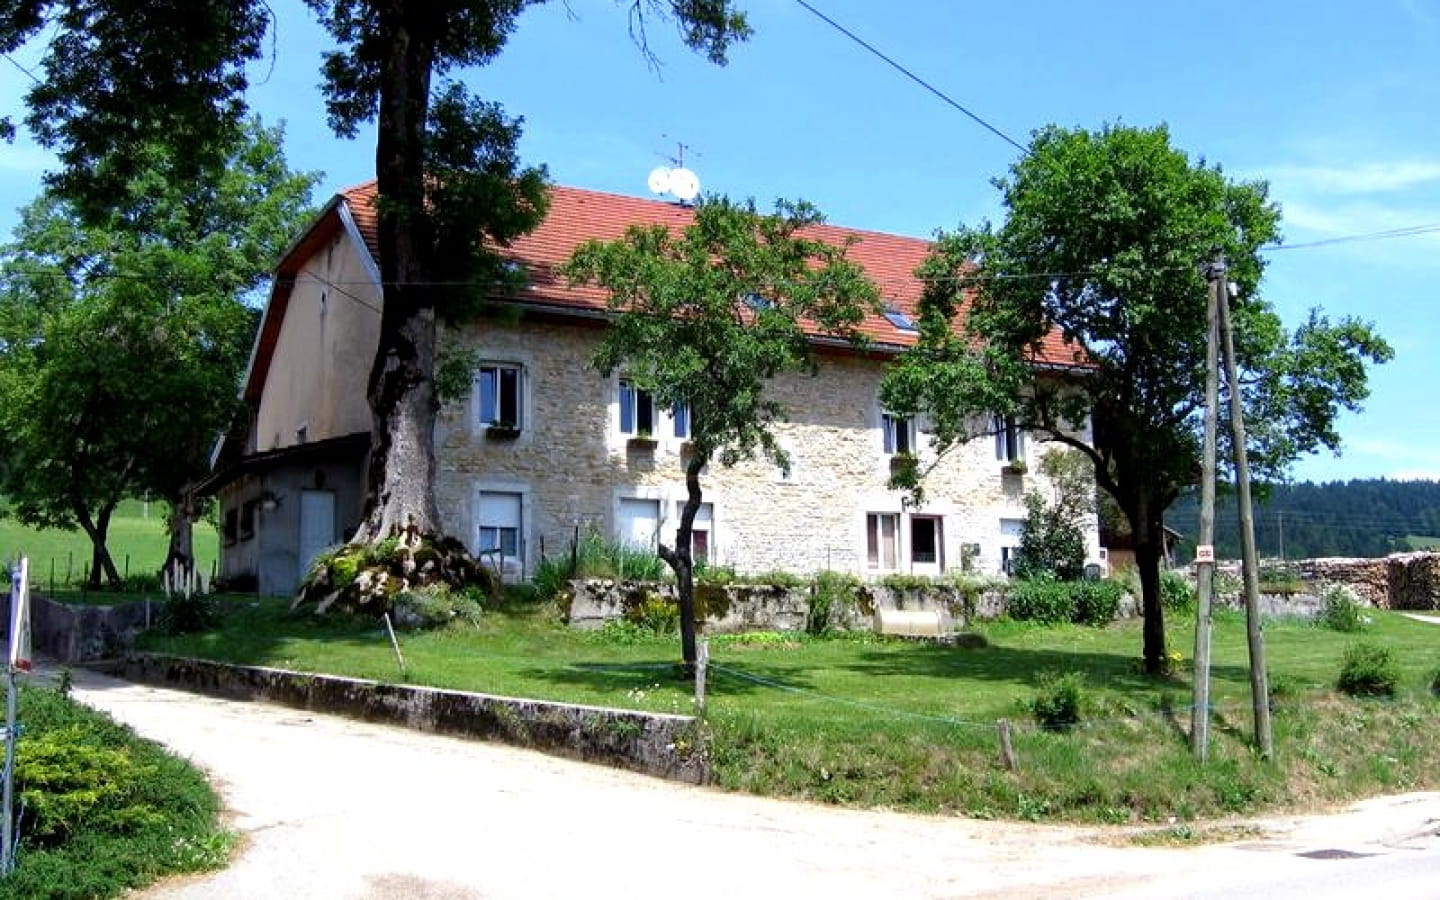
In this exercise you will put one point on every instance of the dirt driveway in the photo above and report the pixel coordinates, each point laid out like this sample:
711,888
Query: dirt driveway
331,808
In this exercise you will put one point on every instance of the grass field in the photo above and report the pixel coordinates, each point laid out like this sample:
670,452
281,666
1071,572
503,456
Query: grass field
137,543
866,721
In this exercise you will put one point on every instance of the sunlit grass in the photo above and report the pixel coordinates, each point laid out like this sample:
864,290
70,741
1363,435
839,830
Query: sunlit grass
862,720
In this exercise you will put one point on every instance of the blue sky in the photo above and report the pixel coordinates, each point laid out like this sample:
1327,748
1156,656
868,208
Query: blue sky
1333,102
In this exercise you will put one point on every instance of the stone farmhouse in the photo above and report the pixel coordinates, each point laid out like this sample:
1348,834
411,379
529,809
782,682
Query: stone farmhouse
543,447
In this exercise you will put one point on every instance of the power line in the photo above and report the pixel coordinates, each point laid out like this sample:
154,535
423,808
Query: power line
912,76
1368,236
14,62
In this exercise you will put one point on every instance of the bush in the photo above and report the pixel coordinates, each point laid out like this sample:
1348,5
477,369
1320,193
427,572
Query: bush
437,606
188,615
1435,684
1051,602
103,810
654,614
831,596
1057,700
1368,670
596,556
1177,594
1096,602
1041,600
1342,610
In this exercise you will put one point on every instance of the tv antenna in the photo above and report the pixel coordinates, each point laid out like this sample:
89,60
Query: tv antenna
675,180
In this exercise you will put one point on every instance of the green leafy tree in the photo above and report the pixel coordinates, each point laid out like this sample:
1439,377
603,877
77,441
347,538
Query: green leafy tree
1052,541
706,318
1103,241
122,341
450,185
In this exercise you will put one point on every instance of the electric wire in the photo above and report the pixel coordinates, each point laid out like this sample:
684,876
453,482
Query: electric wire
913,77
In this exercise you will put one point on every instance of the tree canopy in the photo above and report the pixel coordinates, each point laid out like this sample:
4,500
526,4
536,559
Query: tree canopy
1104,239
122,341
122,73
705,318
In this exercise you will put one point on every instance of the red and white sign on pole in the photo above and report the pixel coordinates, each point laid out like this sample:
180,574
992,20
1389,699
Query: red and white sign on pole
20,617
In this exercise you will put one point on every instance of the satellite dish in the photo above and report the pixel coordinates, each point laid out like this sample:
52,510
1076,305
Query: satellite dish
659,180
684,184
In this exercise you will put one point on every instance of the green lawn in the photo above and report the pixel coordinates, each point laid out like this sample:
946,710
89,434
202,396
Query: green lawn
137,543
861,720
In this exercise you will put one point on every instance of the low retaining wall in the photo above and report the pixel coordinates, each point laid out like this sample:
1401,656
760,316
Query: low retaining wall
666,746
75,633
1399,581
734,608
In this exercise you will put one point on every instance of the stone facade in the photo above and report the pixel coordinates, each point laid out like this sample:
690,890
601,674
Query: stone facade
570,468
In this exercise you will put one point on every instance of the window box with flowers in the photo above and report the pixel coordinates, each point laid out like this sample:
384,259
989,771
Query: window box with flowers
502,431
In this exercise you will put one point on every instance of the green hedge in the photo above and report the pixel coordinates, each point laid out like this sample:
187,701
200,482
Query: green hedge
1049,601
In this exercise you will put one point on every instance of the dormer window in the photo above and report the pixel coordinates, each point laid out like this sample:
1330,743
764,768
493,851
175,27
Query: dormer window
900,320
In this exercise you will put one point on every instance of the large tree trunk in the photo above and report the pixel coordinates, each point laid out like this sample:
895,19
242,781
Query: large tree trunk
682,561
1148,532
400,488
97,529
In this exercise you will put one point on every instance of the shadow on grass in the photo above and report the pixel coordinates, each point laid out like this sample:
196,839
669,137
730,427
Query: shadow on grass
618,677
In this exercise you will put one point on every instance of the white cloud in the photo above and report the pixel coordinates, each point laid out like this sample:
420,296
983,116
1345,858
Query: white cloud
1364,178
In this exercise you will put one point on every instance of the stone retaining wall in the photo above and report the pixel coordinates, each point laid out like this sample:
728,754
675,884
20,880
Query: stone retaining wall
734,608
79,633
666,746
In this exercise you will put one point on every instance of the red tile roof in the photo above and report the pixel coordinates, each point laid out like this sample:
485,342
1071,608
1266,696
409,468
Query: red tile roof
577,215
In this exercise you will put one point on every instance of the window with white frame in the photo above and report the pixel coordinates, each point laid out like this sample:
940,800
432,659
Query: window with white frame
637,410
498,530
680,420
501,387
882,540
926,541
702,531
1009,439
899,433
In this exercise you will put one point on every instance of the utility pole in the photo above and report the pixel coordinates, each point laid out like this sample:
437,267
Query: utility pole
1259,689
1205,552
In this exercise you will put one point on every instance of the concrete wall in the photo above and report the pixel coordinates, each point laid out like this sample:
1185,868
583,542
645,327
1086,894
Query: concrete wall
76,634
667,746
315,388
572,466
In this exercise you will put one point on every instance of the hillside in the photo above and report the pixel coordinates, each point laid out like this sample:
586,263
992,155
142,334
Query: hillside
1362,517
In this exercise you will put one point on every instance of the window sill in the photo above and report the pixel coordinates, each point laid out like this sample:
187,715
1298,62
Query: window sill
1016,468
640,444
502,432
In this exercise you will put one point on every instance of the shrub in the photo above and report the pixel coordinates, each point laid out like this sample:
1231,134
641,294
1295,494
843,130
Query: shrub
1041,600
1342,610
436,606
830,597
1368,670
1435,684
187,615
655,614
1177,594
1057,700
596,556
1096,602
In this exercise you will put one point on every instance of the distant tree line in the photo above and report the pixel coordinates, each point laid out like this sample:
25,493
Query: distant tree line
1361,517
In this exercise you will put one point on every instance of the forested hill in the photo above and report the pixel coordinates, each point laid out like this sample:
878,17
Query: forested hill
1366,517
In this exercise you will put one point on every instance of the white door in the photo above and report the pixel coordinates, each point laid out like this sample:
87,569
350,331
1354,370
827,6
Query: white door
317,526
638,522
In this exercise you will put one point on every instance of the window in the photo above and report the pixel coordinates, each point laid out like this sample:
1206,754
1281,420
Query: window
232,525
499,528
882,540
758,302
1009,439
925,543
899,434
637,410
1008,555
900,320
247,519
700,531
680,417
500,394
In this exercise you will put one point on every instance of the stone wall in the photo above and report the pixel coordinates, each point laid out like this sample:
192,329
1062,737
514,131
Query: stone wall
667,746
731,609
1399,581
72,633
571,467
